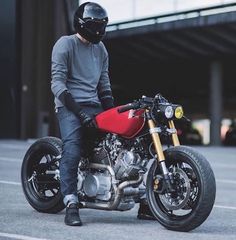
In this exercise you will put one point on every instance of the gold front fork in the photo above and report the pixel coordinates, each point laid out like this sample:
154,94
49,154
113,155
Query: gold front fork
158,146
157,141
168,178
175,138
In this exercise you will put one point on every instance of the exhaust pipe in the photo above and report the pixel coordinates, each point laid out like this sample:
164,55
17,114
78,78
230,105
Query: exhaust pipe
119,191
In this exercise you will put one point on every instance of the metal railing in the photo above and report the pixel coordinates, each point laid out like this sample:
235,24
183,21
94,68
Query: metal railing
230,7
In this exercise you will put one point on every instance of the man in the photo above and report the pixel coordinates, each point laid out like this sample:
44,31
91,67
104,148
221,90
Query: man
81,86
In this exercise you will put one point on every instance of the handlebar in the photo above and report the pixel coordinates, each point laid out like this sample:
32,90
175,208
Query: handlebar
144,102
128,107
158,103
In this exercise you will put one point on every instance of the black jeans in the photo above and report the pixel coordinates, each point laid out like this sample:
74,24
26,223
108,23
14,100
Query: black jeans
72,135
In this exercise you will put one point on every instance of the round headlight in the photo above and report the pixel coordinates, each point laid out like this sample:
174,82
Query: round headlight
169,112
179,112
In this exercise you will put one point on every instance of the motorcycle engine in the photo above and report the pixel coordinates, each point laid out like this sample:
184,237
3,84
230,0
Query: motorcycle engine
127,164
97,185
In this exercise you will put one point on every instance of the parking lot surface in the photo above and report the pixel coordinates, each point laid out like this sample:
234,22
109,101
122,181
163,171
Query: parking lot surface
18,220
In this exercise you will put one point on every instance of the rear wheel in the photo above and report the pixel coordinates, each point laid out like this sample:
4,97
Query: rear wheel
195,189
40,175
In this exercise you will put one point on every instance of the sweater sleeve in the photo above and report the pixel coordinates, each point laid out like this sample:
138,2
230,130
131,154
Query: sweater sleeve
59,66
104,85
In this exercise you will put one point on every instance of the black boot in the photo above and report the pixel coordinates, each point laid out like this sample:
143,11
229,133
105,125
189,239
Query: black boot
144,211
72,215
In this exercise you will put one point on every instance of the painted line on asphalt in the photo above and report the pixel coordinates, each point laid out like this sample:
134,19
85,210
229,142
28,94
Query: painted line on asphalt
226,181
217,180
216,206
20,237
9,159
10,182
14,146
223,165
225,207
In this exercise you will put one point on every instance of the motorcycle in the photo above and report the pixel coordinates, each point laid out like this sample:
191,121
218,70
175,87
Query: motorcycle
127,162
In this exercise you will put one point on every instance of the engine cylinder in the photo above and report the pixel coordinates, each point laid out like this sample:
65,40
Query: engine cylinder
127,164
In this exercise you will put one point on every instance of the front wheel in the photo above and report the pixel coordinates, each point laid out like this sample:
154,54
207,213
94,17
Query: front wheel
192,201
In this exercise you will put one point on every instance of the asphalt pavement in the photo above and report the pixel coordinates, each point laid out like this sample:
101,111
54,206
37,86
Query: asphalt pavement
18,220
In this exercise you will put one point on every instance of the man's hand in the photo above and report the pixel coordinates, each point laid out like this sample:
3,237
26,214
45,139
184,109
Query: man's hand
86,120
68,101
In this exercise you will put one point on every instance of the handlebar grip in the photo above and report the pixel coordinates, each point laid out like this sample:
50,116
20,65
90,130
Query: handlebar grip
125,108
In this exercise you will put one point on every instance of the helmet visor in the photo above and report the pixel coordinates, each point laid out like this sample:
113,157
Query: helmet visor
96,27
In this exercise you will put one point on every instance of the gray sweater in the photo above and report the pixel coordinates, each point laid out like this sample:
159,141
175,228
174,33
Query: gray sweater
80,68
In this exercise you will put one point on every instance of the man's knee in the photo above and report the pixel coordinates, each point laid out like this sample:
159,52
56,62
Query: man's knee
72,150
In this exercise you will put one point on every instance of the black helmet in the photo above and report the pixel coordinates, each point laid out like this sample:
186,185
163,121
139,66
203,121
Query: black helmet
90,21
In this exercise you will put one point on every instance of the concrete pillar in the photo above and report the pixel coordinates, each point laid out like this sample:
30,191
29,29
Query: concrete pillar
215,102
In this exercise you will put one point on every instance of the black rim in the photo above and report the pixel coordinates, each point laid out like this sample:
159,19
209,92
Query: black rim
43,176
184,201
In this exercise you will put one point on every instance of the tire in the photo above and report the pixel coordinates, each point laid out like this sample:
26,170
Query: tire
202,190
42,190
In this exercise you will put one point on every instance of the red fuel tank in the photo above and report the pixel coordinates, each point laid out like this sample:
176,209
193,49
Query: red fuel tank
127,124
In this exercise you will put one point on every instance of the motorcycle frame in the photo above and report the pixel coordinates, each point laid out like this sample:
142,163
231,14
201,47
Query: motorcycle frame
160,158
